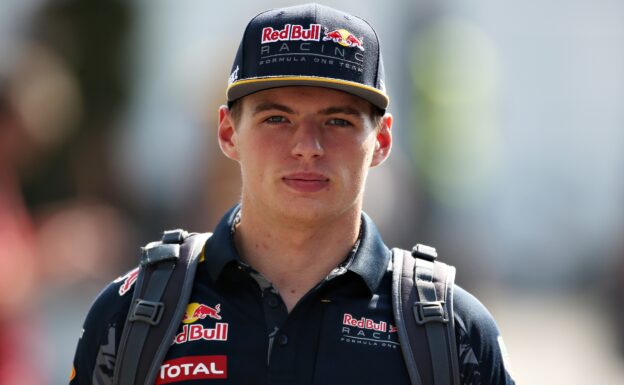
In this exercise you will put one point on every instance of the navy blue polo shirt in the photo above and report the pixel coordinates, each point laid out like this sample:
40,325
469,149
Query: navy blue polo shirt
237,330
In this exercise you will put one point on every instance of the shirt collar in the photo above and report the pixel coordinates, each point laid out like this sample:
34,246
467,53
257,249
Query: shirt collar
220,250
371,259
369,262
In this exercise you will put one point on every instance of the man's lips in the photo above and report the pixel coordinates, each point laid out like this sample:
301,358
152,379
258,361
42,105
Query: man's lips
306,181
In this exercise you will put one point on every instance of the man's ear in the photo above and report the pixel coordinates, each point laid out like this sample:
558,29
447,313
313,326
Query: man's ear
383,140
227,133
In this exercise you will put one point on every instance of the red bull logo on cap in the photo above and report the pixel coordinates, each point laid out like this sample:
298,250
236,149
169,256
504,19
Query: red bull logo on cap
344,38
195,311
291,32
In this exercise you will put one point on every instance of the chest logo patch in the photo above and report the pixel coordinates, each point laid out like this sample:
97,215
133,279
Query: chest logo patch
196,311
192,368
366,331
197,332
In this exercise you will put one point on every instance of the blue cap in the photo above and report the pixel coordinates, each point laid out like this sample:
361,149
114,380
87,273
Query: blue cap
309,45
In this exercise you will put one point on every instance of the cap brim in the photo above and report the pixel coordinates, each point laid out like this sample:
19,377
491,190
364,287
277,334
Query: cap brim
245,87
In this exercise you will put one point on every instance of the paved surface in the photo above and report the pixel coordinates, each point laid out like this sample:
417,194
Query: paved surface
558,340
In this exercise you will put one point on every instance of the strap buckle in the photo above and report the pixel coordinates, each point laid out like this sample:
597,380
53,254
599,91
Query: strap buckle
423,251
147,311
156,252
174,236
433,311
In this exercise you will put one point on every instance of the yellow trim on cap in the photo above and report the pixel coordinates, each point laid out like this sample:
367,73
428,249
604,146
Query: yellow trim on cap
305,78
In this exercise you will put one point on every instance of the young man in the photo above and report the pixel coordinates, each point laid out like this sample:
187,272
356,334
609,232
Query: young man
294,286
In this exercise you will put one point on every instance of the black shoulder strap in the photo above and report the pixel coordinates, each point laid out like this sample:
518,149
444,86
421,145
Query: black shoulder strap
161,294
422,291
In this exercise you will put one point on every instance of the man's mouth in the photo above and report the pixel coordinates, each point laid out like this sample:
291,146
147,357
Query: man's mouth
306,182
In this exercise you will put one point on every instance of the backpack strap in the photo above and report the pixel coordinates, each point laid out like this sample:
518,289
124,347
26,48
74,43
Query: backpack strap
161,294
422,291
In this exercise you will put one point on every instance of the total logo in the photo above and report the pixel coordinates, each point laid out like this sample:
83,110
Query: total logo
192,368
344,38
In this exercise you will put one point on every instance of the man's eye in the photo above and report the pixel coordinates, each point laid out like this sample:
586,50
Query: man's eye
276,119
339,122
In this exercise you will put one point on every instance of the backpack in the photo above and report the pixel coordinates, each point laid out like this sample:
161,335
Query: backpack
422,302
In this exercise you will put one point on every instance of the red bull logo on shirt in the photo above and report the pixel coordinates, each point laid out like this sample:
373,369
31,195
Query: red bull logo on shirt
368,332
197,332
344,38
195,311
364,323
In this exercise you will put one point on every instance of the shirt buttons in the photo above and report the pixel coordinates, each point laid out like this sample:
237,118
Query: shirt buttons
272,301
282,339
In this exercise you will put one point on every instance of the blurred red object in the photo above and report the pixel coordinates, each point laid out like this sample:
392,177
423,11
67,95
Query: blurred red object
18,269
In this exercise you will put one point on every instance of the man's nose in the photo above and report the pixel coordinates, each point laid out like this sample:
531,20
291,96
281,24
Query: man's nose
308,142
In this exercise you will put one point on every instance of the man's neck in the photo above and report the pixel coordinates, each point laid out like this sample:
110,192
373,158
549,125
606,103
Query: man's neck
295,257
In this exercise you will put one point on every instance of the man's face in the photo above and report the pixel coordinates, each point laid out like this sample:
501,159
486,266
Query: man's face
304,152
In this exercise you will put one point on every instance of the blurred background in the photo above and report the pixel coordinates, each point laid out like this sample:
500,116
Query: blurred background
509,158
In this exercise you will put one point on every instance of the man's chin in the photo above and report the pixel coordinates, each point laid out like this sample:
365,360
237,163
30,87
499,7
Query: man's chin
307,211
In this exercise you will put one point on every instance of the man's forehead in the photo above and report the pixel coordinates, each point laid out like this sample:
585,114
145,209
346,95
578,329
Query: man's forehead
300,97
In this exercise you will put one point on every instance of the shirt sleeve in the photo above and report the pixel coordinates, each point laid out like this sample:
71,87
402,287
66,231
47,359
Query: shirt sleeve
94,359
483,359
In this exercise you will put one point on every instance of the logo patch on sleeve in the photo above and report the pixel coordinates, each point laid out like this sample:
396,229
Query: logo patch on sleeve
192,368
128,280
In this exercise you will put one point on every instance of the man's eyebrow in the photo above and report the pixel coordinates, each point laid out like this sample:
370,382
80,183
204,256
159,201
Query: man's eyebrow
266,106
341,110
